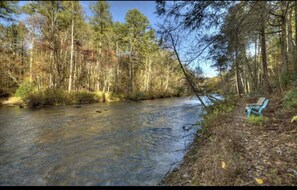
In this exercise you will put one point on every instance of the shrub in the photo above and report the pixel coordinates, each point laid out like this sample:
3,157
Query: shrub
52,96
99,96
180,91
137,96
84,97
288,78
25,89
290,99
34,99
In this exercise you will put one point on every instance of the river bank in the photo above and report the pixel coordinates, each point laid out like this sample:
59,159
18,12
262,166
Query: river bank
56,97
232,151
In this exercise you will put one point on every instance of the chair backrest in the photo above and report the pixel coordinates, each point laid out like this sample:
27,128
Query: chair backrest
260,101
264,104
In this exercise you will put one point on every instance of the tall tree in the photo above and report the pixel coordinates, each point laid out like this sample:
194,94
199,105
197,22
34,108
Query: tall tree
136,25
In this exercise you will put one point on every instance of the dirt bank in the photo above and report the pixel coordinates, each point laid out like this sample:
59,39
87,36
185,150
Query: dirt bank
233,152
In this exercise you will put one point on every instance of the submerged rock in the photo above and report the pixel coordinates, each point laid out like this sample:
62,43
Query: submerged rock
98,111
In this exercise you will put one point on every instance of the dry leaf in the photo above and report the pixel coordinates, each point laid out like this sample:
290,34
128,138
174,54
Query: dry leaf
259,181
223,165
294,119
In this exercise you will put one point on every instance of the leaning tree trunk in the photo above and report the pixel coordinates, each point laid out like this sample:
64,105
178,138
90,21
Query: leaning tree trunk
181,65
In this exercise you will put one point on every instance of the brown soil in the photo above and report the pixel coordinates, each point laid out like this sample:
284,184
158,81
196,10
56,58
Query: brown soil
267,152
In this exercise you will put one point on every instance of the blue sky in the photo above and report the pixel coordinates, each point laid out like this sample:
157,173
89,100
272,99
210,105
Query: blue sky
120,8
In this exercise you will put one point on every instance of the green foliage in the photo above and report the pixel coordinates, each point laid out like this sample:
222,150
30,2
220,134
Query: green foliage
290,99
25,89
102,19
256,120
52,96
287,78
218,110
136,21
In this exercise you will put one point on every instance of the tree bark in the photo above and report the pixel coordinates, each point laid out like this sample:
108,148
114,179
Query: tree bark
71,51
283,39
295,61
290,40
264,57
238,82
31,57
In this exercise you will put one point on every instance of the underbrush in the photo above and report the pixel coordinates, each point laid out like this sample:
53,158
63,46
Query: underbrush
25,89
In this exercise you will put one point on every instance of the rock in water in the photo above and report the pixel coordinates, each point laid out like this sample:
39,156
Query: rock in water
78,106
98,111
21,106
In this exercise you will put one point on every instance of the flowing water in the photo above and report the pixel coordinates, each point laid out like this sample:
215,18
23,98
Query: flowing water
127,143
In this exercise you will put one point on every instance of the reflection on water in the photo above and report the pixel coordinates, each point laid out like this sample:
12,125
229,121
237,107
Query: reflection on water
126,144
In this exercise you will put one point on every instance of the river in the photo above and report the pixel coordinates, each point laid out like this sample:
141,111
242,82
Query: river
124,143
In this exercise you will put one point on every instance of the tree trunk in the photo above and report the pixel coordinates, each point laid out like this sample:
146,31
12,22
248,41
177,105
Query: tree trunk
264,57
290,41
238,82
256,66
295,61
283,39
187,78
71,52
31,57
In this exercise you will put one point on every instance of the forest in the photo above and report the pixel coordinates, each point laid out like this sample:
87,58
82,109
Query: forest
58,55
253,46
56,49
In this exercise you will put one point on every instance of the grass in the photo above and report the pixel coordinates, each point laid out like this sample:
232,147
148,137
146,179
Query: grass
13,101
257,120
